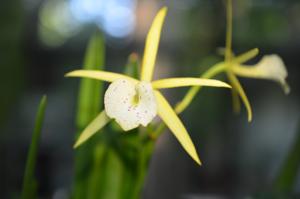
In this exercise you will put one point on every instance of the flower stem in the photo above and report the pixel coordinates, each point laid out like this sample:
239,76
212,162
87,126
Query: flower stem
228,30
143,167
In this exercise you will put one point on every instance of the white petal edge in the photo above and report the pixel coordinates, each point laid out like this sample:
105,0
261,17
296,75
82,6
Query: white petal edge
269,67
130,104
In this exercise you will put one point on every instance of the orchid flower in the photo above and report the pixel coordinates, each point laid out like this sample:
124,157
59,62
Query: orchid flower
134,102
270,67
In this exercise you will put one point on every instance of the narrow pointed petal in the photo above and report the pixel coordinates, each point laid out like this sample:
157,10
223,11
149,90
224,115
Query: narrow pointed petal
187,81
269,67
98,123
99,75
168,115
246,56
237,86
236,101
151,45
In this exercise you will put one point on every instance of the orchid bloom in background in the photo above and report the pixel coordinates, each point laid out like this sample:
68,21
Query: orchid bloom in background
270,67
134,102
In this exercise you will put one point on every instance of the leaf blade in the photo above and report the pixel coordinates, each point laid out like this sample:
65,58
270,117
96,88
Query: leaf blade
29,186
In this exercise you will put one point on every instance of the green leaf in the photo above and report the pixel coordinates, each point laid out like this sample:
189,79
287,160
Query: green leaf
29,182
89,106
89,98
132,66
111,180
97,171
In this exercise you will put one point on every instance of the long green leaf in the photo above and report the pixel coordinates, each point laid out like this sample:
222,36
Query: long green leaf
89,98
29,181
132,66
89,105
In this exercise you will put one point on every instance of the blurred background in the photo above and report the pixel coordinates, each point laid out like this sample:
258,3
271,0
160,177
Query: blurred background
42,40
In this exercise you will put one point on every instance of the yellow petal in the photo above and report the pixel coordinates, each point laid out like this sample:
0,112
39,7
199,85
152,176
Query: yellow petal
187,81
246,56
269,67
168,115
98,123
99,75
151,45
236,101
237,86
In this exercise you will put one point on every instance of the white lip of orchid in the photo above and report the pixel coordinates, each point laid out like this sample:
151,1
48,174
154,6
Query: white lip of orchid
269,67
130,103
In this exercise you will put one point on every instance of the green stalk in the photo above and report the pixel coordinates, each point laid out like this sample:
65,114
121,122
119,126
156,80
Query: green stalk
97,172
145,155
29,190
187,99
228,30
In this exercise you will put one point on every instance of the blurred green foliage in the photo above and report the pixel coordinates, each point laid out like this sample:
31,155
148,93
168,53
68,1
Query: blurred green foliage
29,182
89,105
287,176
11,57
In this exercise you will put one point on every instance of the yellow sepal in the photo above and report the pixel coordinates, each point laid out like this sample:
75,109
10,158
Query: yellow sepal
187,81
99,75
151,45
245,56
237,86
170,118
269,67
236,101
98,123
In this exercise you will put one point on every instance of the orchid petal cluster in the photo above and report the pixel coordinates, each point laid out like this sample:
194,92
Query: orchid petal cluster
134,102
270,67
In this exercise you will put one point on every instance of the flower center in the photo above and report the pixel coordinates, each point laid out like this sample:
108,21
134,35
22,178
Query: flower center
130,104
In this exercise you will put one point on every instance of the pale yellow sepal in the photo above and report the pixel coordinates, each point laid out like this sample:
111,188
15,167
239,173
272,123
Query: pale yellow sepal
170,118
236,101
99,75
237,86
187,81
151,45
245,56
269,67
98,123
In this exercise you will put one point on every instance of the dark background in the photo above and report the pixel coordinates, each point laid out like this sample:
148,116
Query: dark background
42,40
